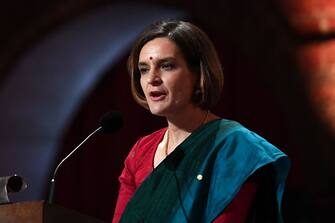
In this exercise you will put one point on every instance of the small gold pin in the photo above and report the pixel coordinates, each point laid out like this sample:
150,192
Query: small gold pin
200,177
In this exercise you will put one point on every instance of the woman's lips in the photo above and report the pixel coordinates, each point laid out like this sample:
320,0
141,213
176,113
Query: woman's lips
157,95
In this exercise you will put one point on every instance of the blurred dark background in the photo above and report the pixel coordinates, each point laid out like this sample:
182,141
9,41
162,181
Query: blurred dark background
63,65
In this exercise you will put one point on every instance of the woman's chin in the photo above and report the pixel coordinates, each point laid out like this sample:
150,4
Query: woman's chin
157,111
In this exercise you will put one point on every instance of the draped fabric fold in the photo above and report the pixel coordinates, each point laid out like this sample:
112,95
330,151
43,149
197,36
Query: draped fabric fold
204,173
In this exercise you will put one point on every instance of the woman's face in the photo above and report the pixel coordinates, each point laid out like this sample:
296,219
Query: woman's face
166,80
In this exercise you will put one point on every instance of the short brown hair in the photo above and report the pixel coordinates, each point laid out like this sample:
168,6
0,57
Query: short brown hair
198,51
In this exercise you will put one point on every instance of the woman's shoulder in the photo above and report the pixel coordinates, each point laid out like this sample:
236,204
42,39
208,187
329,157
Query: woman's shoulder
233,128
149,142
226,127
153,137
241,140
236,133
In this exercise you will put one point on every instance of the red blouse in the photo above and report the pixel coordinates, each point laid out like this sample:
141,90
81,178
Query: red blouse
139,164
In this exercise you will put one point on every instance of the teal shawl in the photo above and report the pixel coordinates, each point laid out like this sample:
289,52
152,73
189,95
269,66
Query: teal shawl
203,174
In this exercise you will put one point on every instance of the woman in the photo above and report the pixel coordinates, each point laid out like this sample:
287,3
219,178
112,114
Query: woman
201,168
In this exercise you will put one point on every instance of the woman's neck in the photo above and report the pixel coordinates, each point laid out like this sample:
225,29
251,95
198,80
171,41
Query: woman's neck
182,125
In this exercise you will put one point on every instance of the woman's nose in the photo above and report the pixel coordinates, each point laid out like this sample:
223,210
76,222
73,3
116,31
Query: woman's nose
154,79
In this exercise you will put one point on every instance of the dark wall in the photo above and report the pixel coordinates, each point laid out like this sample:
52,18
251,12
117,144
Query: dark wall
263,90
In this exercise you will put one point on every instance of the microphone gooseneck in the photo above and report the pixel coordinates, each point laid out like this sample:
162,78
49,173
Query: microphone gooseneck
172,162
52,185
109,123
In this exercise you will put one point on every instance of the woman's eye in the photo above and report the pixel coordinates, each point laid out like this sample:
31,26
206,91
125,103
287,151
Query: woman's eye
143,70
168,66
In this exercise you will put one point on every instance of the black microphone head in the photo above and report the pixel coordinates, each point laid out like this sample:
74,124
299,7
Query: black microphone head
111,122
16,184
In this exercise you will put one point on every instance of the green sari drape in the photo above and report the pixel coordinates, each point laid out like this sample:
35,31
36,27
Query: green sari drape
203,174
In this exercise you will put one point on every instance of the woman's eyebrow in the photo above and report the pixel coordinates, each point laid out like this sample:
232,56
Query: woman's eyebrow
159,61
142,64
167,59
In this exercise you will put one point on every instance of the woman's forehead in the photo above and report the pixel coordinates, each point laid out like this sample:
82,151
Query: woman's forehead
159,48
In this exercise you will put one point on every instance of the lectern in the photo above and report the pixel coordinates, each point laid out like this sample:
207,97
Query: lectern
41,212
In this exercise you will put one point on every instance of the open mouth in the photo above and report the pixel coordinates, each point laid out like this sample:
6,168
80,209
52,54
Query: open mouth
157,95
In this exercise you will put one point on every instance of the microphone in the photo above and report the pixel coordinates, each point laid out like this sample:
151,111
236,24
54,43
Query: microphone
11,184
110,122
